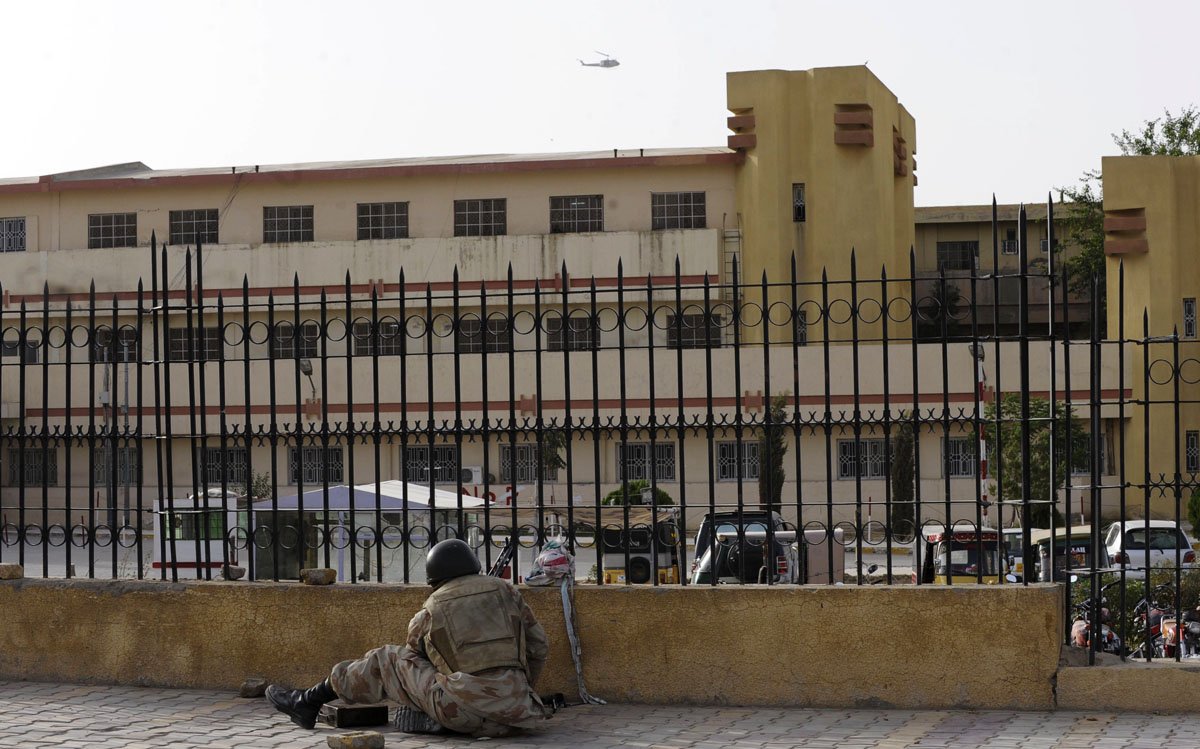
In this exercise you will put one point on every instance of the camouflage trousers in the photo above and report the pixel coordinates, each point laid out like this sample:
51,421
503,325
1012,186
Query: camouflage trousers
396,673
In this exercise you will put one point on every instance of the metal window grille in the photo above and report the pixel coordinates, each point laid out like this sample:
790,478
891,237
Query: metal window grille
288,223
30,352
1191,452
1189,318
285,344
528,465
1008,247
201,344
801,322
485,217
129,469
383,220
112,230
445,464
472,338
315,465
580,333
730,468
576,213
677,210
191,227
12,234
958,456
958,255
694,330
123,347
798,211
387,341
38,468
634,461
870,465
228,467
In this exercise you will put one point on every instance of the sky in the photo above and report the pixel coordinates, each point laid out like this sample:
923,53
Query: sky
1011,98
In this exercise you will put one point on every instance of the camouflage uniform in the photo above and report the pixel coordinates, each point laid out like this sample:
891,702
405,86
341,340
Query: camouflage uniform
491,702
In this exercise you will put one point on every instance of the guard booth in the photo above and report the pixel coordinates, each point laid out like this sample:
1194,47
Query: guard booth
196,529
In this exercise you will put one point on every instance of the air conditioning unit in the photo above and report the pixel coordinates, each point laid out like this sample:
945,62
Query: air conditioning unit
472,475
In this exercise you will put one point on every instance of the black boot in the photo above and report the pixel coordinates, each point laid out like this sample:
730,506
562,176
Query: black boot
301,706
411,720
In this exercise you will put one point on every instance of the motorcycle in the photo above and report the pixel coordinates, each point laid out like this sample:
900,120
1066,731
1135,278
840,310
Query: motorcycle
1158,626
1085,622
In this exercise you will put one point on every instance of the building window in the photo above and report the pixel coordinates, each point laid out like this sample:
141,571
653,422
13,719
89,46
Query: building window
677,210
801,327
958,456
1191,451
528,464
39,467
129,470
957,255
576,213
124,347
285,344
190,526
730,468
1008,245
1081,460
383,220
472,339
869,465
1189,318
228,466
486,217
288,223
694,330
580,334
30,352
315,465
798,203
417,464
388,341
202,344
12,234
1046,245
634,461
193,226
112,230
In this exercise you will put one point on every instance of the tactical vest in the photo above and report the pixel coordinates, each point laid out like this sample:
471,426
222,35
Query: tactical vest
475,625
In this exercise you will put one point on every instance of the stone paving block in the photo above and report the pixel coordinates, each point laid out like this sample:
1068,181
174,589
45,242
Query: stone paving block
11,571
318,576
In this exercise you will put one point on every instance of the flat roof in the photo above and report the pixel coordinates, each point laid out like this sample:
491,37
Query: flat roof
957,214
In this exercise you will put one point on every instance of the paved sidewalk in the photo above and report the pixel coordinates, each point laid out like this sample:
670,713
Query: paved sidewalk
58,715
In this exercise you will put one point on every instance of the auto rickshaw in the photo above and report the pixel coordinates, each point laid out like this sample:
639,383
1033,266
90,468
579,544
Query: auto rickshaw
963,554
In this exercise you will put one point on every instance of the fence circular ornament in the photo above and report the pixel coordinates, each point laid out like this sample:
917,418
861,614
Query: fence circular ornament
635,319
780,314
56,336
535,538
259,332
320,537
499,535
393,537
869,310
335,329
899,309
263,537
582,532
523,322
667,533
127,536
419,537
339,537
56,535
33,535
237,538
903,532
102,536
821,531
80,535
840,311
874,532
445,532
1189,371
289,537
364,537
750,314
849,533
474,537
233,334
754,528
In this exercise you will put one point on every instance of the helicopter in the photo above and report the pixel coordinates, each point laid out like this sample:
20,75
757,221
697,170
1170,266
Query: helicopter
607,62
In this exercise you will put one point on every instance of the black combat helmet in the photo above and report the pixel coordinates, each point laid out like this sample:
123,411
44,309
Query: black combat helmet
450,559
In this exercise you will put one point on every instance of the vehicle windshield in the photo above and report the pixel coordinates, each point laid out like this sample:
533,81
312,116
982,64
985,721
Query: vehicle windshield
735,562
1072,554
964,558
1161,539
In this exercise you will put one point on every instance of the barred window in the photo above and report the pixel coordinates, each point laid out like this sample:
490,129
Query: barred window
228,466
694,330
801,322
288,223
528,464
30,352
634,461
958,456
472,339
12,234
798,212
677,210
382,220
1189,318
1081,460
35,467
580,333
871,464
200,344
387,341
123,347
576,213
1191,451
315,465
191,227
484,217
730,468
285,344
417,464
129,469
1008,245
112,230
957,255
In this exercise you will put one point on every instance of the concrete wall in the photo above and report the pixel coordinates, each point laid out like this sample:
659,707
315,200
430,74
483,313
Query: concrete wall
981,647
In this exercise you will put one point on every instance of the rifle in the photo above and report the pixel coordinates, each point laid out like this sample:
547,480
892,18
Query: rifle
504,559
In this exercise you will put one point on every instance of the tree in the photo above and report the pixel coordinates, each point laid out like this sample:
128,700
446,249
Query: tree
903,476
772,446
1007,463
632,495
1083,215
550,452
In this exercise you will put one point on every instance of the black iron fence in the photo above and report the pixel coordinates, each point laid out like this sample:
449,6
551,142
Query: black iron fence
925,427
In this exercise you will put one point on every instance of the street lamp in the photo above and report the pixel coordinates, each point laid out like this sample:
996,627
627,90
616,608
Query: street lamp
306,369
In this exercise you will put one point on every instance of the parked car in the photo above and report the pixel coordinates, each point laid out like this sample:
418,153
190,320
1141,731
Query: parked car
741,560
1070,554
1142,543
